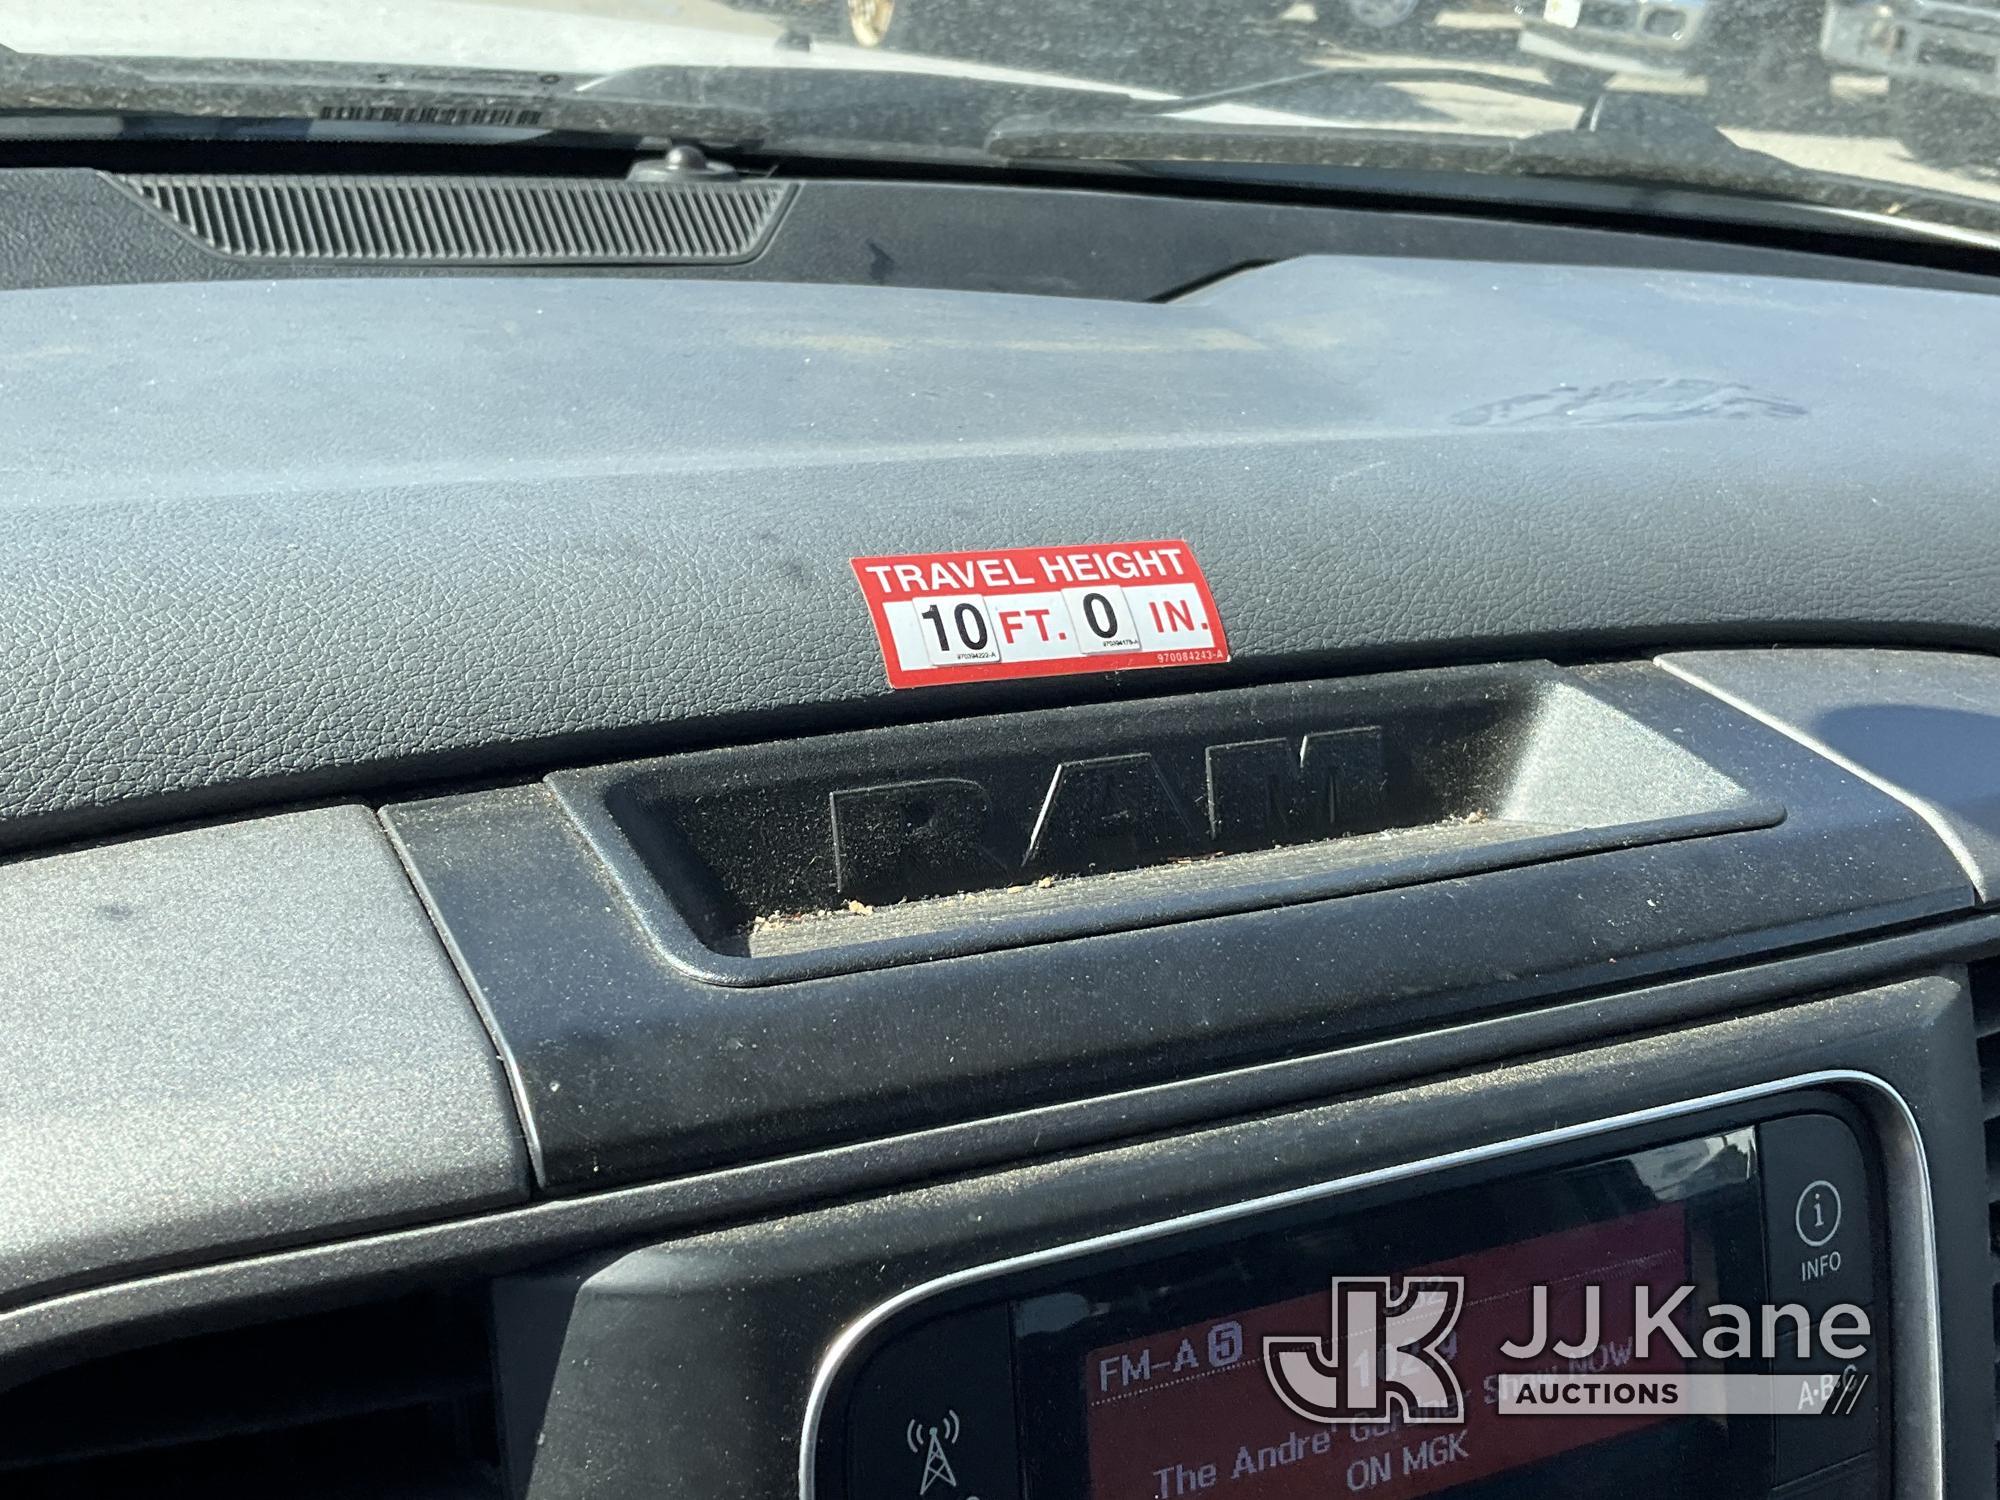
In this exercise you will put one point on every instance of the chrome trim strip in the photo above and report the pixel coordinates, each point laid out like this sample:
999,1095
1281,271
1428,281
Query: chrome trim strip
1919,1378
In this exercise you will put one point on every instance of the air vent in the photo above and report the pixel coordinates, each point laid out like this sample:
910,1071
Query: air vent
469,221
391,1400
1986,1020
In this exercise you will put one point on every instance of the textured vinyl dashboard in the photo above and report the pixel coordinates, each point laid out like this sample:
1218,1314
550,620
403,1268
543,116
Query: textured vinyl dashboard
275,539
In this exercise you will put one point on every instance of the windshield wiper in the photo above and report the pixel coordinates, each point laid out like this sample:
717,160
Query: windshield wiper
869,105
889,106
1264,88
1628,135
1646,146
241,89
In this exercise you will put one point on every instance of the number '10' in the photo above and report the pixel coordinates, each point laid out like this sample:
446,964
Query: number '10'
970,623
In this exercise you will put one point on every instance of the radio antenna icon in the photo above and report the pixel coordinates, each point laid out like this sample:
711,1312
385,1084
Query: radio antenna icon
930,1441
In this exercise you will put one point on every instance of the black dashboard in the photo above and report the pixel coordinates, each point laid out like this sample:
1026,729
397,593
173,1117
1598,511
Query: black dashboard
504,999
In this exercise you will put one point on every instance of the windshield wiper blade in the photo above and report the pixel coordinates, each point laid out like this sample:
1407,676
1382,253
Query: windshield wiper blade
868,106
1659,156
256,89
887,106
1629,136
1264,88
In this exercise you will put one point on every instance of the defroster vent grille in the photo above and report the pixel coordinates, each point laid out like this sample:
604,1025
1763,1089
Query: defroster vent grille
469,220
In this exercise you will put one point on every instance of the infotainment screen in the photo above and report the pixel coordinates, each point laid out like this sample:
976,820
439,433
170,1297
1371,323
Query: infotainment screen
1187,1403
1487,1329
1151,1383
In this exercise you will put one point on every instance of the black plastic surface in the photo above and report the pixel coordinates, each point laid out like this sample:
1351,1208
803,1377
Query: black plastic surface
1822,1212
947,1389
762,1303
1924,724
830,855
629,1067
1841,1435
1816,1196
71,226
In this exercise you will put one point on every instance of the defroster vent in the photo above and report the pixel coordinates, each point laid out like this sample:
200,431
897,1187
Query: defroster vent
469,220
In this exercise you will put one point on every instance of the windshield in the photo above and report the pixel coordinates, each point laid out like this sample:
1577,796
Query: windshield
1887,110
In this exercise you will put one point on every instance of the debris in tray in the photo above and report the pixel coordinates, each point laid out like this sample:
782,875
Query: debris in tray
852,908
769,921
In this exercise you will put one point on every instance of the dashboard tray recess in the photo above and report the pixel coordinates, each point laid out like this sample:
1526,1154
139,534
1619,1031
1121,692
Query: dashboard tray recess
924,841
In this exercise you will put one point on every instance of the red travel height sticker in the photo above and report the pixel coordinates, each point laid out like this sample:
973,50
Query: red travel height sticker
1039,611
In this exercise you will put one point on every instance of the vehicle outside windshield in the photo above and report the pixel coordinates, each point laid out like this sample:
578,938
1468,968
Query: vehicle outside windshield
1885,110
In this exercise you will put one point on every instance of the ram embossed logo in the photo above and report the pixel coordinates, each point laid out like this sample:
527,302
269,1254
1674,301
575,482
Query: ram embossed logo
944,835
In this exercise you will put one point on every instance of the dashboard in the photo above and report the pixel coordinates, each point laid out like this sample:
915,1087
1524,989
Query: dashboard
505,998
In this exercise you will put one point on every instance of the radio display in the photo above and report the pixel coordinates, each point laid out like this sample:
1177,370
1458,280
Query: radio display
1191,1409
1151,1382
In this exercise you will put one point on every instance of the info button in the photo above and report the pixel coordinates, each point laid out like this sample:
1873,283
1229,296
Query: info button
1816,1219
